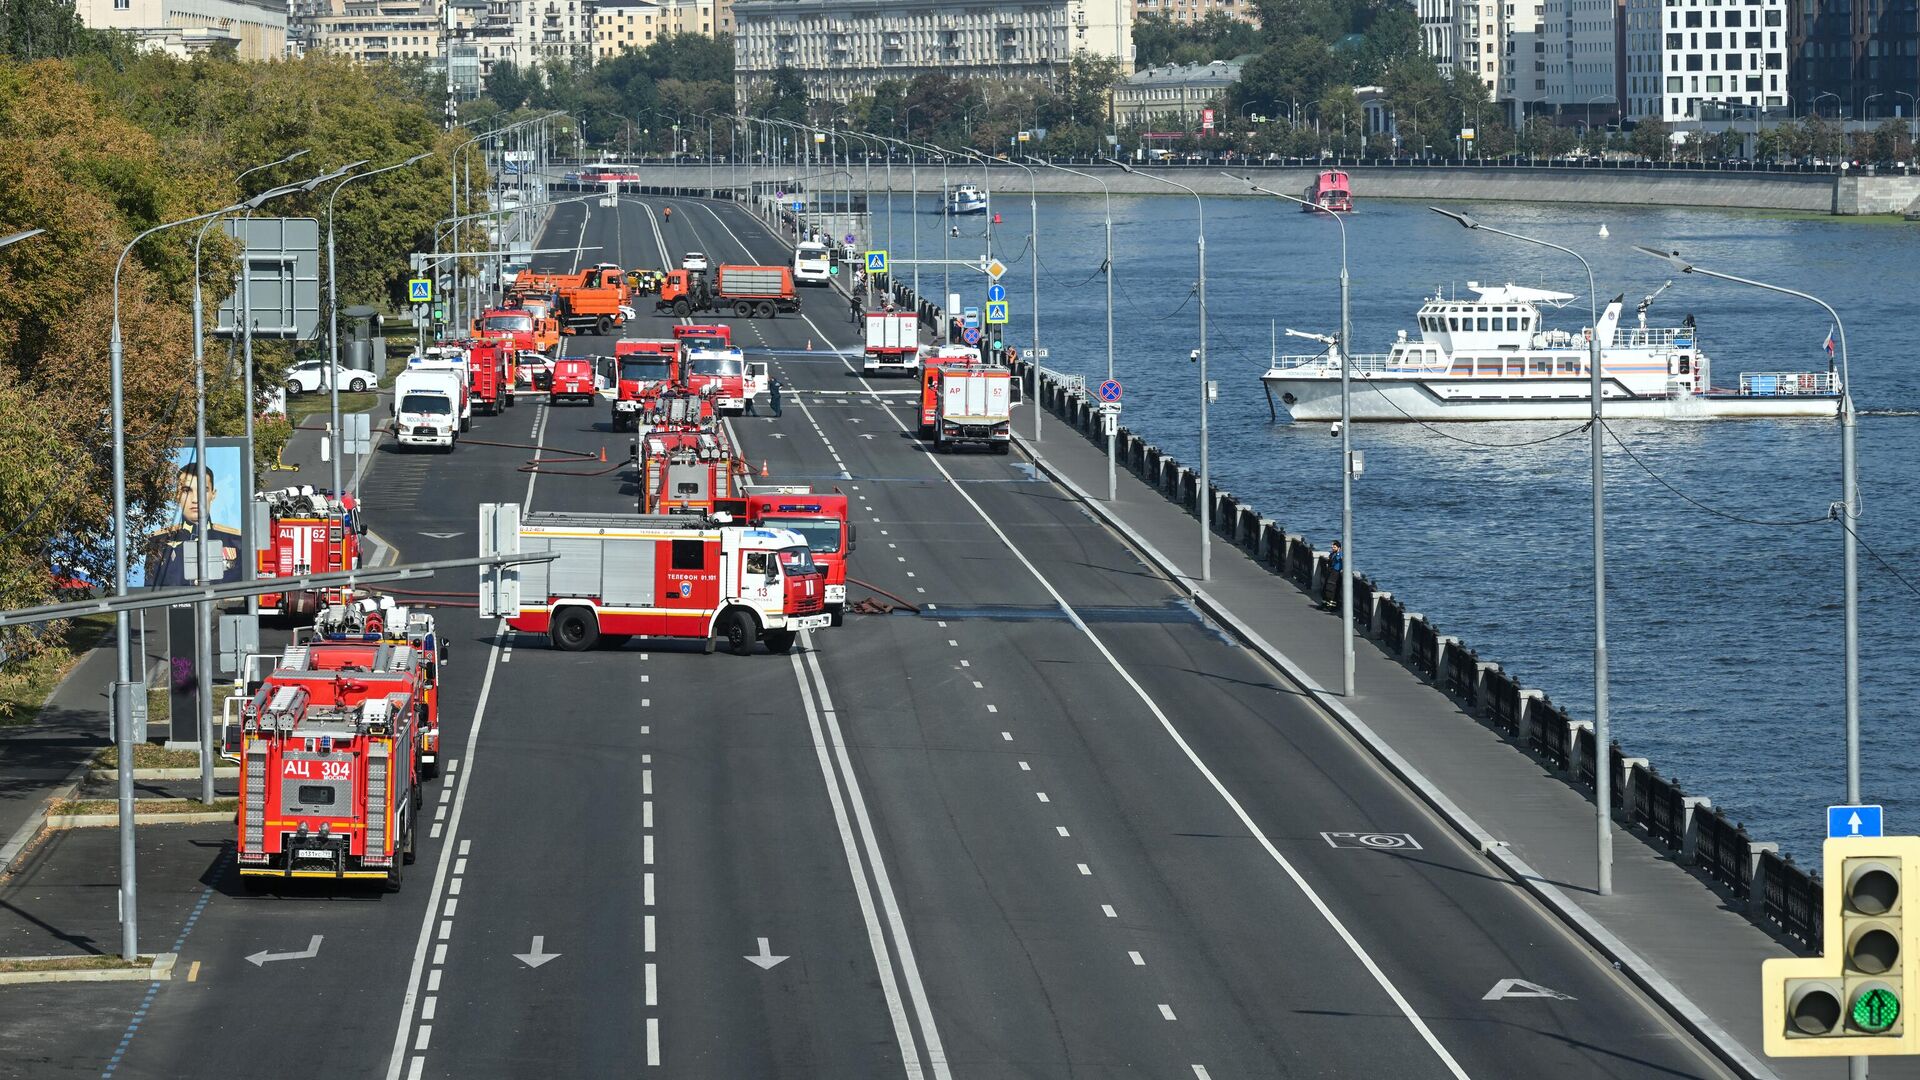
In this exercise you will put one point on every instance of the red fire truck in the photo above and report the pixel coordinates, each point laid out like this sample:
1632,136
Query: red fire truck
647,367
975,407
620,576
689,472
819,517
931,362
307,532
330,772
491,375
512,325
703,335
351,622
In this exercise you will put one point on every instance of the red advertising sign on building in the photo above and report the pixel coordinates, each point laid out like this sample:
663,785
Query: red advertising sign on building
1206,119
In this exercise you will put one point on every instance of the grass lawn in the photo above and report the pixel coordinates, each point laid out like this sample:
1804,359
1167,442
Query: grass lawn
74,963
148,756
23,692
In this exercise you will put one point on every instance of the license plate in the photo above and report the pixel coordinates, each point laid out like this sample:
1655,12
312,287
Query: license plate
812,622
313,853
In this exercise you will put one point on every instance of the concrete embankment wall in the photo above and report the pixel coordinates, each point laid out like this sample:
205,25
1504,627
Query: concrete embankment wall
1810,192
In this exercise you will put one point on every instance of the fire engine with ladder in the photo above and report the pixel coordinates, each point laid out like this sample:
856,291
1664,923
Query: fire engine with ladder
335,744
304,531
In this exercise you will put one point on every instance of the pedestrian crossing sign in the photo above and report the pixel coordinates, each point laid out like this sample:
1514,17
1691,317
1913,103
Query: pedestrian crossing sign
876,262
996,312
420,290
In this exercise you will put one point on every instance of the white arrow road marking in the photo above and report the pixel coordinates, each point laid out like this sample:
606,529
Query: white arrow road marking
312,950
537,955
443,536
866,435
766,959
775,435
1521,988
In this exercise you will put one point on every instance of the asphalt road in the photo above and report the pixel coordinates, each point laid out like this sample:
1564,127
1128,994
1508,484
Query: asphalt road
1055,824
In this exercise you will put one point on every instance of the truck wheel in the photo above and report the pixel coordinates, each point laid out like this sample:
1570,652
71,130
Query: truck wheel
574,630
766,310
741,633
605,326
743,309
682,308
780,641
510,400
412,848
466,423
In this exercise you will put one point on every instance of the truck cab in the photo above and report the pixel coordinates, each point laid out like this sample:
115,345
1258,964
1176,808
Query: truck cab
821,519
428,407
512,325
718,373
572,381
646,367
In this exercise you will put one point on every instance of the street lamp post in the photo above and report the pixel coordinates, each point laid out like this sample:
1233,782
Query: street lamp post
1206,493
1603,770
123,645
1346,449
1847,511
1107,193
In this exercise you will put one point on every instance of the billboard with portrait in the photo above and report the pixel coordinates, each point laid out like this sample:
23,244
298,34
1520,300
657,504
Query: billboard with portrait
160,558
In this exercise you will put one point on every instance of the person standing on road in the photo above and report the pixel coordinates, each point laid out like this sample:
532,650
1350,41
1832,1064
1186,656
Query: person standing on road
1336,563
853,308
773,396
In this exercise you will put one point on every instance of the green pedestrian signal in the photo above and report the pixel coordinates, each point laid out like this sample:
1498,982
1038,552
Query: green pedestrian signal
1876,1010
996,343
439,314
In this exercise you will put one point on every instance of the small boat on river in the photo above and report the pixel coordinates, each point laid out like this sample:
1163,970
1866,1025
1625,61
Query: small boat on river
1330,193
1493,358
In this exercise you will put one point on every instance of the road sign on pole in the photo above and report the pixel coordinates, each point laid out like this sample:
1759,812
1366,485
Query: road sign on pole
996,291
1110,390
1854,821
847,238
995,269
420,290
996,312
970,317
876,262
971,335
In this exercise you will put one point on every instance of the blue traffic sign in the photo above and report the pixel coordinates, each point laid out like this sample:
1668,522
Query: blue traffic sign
420,290
970,316
1854,821
847,238
996,312
876,262
1110,390
971,335
996,291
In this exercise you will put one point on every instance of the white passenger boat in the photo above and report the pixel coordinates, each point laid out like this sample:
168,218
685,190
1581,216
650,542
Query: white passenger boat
1491,358
966,199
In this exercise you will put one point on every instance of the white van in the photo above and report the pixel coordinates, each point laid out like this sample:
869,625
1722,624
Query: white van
427,406
812,263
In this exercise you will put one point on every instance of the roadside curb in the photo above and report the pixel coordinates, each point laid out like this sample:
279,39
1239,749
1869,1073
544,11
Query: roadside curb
161,970
1690,1016
103,821
29,831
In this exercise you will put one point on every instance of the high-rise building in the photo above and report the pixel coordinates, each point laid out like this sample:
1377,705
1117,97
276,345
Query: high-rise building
1580,46
1682,55
1436,30
842,48
370,31
1854,58
1499,43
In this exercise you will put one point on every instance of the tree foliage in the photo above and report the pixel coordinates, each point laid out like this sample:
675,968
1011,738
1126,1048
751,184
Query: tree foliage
1159,40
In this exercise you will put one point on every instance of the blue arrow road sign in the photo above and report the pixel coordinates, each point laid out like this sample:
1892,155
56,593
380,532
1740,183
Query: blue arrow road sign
996,291
971,335
996,312
1853,821
1110,390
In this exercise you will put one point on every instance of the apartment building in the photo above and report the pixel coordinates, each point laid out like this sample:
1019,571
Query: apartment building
1193,11
1683,54
1499,42
252,29
1581,46
1436,30
842,48
370,31
635,24
1858,58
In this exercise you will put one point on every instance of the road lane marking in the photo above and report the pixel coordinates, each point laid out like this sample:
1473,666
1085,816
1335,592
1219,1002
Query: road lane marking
876,935
1024,767
1107,910
1166,1011
1061,829
1042,796
1138,960
193,972
653,1041
1085,870
397,1057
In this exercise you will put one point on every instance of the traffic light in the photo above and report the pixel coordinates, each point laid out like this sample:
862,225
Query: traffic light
1852,1003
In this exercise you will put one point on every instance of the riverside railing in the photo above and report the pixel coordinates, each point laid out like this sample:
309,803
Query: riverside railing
1774,892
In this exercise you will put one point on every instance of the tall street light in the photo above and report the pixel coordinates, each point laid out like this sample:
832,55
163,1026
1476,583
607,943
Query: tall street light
14,238
1107,193
333,311
1602,742
1346,447
1033,233
123,649
1206,487
913,167
1847,512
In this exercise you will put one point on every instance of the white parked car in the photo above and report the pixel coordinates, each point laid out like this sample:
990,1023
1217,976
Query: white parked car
310,377
694,260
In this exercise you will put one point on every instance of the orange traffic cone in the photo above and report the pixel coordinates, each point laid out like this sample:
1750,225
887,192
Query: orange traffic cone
809,344
763,467
603,455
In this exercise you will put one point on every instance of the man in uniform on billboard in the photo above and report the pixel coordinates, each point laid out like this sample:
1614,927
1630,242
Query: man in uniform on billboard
167,548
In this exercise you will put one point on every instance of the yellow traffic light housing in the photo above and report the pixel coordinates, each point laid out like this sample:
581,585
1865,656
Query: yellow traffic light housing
1852,1003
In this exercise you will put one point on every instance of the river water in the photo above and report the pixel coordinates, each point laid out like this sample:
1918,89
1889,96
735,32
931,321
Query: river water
1725,634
